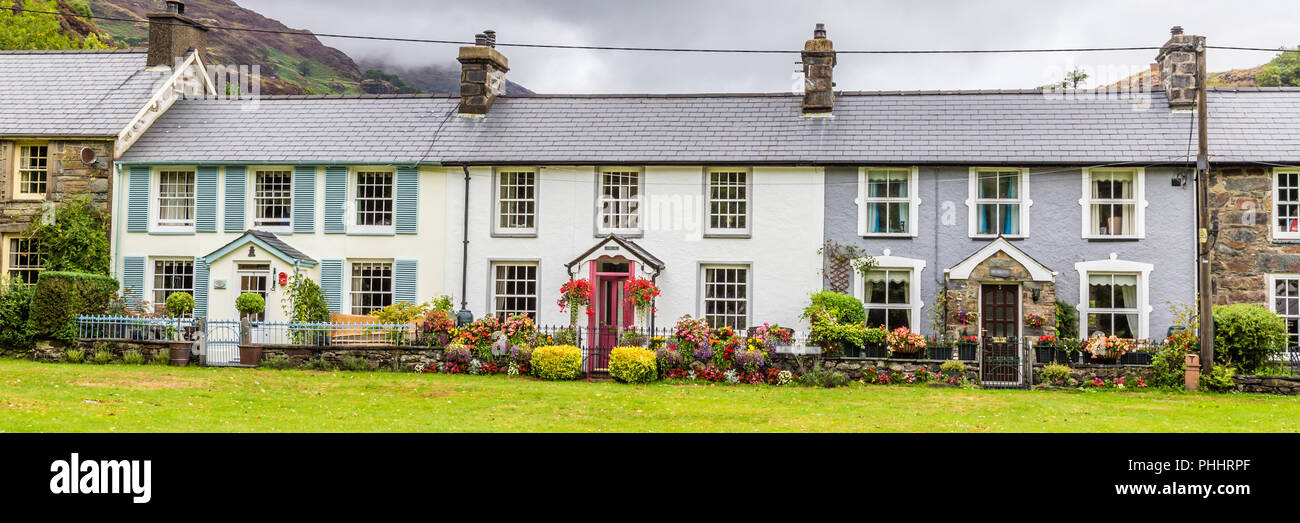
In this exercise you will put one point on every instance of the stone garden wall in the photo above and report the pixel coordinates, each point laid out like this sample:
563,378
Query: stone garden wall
1289,386
1087,372
410,359
856,368
52,351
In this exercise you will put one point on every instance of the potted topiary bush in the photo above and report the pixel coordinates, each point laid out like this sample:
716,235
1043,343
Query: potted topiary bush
249,304
180,305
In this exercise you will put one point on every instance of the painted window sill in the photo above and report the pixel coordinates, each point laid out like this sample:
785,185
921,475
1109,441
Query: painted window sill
1113,238
744,235
514,234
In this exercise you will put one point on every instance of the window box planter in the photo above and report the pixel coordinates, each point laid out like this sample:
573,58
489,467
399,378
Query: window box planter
1136,358
966,350
878,350
1044,352
1065,357
942,352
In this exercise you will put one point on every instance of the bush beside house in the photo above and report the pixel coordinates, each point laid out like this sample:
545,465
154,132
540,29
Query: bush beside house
59,297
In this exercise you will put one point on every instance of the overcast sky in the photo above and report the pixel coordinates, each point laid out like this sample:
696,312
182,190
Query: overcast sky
768,24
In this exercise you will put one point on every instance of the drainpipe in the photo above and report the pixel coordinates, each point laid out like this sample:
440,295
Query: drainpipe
464,316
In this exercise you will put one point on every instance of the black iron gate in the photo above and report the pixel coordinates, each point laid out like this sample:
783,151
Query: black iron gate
1000,362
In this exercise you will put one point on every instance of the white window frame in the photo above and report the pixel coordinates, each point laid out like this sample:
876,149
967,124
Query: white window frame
348,277
601,230
155,200
913,200
151,273
1273,228
888,262
253,197
1116,265
748,202
973,201
1293,344
492,286
6,252
497,229
18,170
1139,202
354,209
701,289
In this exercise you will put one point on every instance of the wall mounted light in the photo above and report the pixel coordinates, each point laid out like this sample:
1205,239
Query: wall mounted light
1035,293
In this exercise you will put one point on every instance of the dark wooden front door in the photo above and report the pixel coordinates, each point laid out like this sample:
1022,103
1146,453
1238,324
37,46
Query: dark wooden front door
999,333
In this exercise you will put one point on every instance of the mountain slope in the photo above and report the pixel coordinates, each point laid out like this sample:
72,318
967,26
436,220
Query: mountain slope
432,78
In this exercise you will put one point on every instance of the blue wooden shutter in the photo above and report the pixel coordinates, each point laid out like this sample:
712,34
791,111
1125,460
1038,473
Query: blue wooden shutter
336,200
331,283
205,199
406,277
201,287
304,199
236,183
137,201
407,194
133,279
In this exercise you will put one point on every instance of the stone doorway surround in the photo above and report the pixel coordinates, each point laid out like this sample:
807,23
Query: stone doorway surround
999,262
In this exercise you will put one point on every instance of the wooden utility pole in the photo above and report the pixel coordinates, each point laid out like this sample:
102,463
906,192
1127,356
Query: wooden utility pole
1206,306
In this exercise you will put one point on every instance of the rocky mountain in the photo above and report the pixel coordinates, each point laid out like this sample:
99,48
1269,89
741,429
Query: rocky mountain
290,64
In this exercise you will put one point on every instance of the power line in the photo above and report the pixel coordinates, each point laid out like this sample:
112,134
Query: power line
647,49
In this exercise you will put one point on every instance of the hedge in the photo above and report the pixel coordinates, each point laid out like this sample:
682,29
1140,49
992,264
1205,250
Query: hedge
15,303
633,365
59,297
1247,336
557,362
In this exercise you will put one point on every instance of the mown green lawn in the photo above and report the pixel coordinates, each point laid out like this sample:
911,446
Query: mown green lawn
122,398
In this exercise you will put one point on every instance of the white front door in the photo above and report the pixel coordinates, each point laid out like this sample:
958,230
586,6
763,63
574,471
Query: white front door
254,278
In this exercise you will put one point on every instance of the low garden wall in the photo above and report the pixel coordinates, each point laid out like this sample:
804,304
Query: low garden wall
857,368
1285,385
378,357
1087,371
52,351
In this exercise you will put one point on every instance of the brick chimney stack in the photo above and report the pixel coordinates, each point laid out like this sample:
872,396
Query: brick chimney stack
172,35
818,65
1177,63
482,74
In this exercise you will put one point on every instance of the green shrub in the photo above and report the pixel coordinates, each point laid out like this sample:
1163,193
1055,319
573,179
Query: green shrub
844,308
557,362
355,363
76,240
824,378
319,364
1219,379
1067,320
953,368
74,355
1247,336
250,303
59,297
180,304
133,357
304,302
277,362
1054,372
162,357
633,365
1169,366
15,306
102,357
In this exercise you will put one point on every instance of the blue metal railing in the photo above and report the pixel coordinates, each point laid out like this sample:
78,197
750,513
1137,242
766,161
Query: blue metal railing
137,329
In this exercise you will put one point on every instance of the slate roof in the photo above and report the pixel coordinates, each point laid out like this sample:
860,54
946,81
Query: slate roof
72,93
993,127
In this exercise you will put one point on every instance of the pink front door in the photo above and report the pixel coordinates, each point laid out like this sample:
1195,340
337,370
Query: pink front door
608,276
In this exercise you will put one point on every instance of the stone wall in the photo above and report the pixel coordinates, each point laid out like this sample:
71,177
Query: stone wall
1288,386
67,177
1087,372
1244,252
406,358
856,368
964,295
52,351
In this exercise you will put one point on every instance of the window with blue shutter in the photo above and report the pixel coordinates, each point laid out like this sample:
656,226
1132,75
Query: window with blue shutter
331,283
304,199
133,279
205,199
406,277
407,216
137,200
336,200
236,187
201,287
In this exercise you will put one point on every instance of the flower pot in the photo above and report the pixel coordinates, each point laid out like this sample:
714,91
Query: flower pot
1136,358
875,351
250,355
942,352
180,353
849,350
1044,353
966,350
911,353
1064,357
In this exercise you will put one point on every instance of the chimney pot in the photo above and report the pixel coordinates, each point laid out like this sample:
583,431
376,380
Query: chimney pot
480,40
1176,30
491,37
175,7
820,31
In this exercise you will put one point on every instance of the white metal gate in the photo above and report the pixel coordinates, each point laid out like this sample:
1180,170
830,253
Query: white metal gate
221,342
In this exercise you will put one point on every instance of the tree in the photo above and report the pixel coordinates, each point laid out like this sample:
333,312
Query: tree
1071,81
1281,71
26,31
75,241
